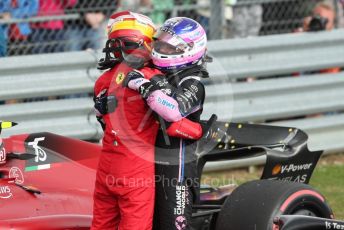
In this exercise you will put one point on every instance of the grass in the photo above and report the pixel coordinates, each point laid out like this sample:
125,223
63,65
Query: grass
328,178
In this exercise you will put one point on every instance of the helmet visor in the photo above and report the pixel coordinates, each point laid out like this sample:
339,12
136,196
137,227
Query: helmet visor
168,43
165,48
131,42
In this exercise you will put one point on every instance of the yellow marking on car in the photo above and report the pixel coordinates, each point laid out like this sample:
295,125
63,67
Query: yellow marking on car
7,124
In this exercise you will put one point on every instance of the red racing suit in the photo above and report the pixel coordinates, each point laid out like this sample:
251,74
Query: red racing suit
124,189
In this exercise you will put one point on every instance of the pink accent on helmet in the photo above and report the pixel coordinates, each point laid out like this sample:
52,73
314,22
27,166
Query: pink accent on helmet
194,35
191,42
177,61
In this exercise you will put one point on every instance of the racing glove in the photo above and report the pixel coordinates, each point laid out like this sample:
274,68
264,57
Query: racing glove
100,103
136,80
155,91
104,104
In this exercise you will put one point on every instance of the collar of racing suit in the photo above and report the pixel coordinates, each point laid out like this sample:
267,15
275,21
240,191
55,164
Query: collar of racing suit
175,77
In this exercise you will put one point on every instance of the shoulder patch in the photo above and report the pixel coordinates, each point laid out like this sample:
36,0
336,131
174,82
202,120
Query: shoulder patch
120,78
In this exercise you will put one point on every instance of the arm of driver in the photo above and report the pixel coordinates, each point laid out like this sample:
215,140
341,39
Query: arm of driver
187,99
185,129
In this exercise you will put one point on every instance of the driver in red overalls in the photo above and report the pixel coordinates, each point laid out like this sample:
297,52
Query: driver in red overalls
124,188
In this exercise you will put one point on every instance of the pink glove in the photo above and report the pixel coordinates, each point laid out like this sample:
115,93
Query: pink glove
165,106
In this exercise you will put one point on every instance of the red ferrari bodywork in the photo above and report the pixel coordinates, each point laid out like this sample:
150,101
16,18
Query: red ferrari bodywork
52,189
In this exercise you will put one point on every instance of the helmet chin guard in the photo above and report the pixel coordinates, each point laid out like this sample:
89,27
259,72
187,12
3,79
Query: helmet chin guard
110,59
133,61
115,52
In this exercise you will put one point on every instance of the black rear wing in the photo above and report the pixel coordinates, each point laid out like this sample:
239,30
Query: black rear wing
288,156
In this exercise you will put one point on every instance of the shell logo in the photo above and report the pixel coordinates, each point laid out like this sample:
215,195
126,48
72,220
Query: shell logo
276,170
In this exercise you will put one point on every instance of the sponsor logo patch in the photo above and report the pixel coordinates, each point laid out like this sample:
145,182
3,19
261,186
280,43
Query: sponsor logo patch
5,192
166,103
15,172
180,200
180,222
120,78
299,178
2,154
334,225
276,170
281,169
41,155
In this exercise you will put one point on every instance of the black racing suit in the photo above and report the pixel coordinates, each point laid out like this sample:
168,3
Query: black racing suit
177,180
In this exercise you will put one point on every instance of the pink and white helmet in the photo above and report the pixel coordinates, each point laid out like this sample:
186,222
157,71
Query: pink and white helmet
180,43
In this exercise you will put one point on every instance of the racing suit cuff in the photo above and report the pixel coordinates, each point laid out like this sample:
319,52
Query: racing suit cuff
185,129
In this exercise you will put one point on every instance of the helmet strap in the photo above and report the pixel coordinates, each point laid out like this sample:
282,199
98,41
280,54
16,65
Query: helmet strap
109,61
